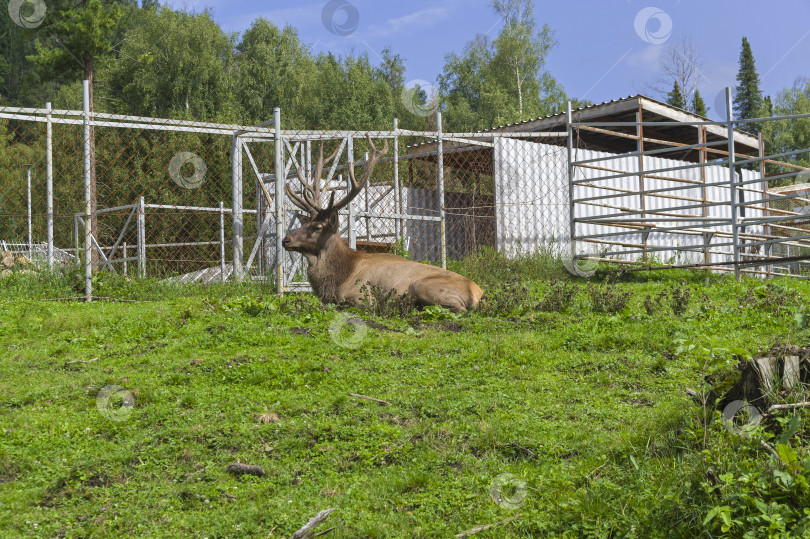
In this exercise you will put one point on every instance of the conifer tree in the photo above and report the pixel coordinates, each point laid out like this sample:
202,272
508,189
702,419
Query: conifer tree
698,105
748,101
675,97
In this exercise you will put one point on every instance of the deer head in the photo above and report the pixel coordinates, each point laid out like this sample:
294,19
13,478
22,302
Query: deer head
322,224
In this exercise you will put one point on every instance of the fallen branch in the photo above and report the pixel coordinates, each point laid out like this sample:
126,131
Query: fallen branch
306,531
486,527
372,399
524,449
772,451
238,468
192,474
226,493
788,406
81,361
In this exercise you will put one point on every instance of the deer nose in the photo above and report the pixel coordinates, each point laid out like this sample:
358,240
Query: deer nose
286,241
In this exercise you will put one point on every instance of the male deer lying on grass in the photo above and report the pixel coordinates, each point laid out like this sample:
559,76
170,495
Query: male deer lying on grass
337,272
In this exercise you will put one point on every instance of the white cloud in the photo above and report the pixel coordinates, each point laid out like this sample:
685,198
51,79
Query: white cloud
417,20
646,59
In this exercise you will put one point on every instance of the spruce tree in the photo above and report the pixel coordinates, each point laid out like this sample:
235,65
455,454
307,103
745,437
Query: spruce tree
698,105
748,101
675,97
767,106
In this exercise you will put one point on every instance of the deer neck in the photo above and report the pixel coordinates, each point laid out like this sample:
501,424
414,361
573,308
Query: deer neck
330,268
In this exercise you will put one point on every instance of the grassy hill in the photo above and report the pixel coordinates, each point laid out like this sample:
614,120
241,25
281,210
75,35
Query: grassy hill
575,388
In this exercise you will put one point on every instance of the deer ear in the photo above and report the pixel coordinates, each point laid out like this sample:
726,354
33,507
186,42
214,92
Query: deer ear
303,218
333,219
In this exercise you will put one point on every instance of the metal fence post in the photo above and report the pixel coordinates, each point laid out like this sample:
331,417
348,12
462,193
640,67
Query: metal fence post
124,245
77,250
352,214
440,177
222,240
766,249
732,185
88,208
49,181
30,224
279,154
571,214
398,224
238,218
141,238
367,189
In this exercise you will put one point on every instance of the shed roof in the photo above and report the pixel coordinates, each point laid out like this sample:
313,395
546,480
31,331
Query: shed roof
620,139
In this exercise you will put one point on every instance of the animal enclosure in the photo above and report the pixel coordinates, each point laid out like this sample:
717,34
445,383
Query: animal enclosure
629,181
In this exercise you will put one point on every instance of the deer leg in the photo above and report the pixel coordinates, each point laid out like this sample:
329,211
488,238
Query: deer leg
435,291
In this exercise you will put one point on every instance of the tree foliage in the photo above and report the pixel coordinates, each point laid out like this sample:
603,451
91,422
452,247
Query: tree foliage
273,69
789,135
174,64
748,101
156,61
675,97
504,80
698,105
75,35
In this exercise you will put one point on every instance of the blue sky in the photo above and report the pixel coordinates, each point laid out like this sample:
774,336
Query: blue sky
605,49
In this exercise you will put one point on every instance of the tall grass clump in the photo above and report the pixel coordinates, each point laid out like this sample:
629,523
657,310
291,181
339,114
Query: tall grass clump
486,266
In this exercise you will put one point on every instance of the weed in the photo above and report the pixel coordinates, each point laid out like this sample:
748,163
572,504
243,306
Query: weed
378,301
399,249
679,298
775,298
558,298
489,267
436,313
506,299
608,298
653,305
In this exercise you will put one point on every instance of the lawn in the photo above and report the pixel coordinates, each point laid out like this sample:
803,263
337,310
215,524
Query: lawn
120,417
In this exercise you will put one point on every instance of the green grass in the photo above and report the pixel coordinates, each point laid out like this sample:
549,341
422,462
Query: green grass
588,409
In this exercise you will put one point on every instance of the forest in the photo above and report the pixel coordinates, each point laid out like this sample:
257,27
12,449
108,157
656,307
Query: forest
151,60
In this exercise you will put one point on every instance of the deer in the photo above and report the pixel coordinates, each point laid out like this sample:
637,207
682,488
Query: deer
338,273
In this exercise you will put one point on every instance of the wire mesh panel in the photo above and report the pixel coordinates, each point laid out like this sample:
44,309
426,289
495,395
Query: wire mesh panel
531,194
181,176
22,175
24,185
203,201
787,228
422,228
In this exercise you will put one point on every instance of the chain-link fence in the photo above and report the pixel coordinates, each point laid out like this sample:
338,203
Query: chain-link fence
200,201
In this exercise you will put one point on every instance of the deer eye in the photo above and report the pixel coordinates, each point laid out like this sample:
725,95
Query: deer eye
318,227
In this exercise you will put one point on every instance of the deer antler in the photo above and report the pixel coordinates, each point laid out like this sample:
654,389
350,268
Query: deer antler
310,199
358,186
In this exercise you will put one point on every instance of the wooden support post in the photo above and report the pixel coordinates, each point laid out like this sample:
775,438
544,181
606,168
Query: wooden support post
702,153
640,148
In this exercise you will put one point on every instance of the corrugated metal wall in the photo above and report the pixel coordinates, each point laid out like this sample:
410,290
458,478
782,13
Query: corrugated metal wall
532,203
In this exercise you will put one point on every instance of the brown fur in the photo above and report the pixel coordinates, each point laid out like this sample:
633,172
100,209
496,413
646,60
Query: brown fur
337,272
